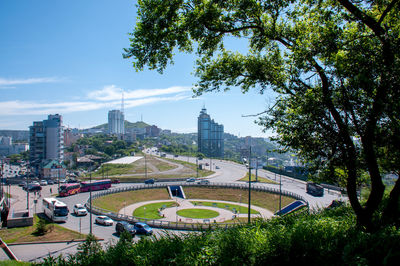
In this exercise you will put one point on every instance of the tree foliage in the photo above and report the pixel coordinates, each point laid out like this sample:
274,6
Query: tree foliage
334,64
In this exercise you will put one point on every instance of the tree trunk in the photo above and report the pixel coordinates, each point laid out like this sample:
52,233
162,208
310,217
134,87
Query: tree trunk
391,211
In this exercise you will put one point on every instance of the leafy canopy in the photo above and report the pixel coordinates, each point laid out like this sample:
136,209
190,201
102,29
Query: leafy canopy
334,64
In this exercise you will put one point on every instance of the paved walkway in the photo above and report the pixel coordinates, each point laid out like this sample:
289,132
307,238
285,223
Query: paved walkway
170,214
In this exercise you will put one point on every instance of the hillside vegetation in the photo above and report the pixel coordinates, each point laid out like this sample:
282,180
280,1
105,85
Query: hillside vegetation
329,237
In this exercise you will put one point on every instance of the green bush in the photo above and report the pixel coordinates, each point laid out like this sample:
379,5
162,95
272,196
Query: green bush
328,237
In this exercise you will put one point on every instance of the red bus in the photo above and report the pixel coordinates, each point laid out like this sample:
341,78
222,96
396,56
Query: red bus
69,189
96,185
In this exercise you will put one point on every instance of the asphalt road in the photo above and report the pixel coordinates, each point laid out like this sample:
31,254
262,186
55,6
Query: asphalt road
228,172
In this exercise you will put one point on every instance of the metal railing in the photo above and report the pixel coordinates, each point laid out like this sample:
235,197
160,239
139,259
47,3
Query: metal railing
180,225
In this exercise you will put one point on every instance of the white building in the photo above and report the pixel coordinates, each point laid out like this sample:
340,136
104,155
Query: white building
116,122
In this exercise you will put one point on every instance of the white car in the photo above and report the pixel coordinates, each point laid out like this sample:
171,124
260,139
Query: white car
104,220
79,209
43,182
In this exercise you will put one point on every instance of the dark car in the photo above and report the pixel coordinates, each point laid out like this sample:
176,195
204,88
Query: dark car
149,181
115,181
142,228
34,188
123,226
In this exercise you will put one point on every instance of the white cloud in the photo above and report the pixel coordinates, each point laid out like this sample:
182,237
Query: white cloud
112,92
10,82
109,97
35,108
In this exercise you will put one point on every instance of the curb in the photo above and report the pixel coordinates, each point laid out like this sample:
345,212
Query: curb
8,251
51,242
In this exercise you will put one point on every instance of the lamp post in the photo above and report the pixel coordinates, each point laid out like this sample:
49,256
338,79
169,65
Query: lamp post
197,167
248,214
256,169
280,189
27,188
145,166
90,197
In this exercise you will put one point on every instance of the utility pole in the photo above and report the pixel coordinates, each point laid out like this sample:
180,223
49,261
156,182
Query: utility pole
256,169
248,215
145,166
197,167
90,197
280,189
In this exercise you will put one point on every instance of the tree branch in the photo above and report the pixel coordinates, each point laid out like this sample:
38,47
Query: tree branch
387,10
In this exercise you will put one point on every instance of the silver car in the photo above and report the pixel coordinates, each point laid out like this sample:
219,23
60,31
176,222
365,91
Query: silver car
104,220
79,210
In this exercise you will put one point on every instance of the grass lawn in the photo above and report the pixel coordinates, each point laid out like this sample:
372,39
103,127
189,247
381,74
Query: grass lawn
238,208
193,166
120,169
138,167
150,211
259,179
27,234
261,199
115,202
198,213
13,263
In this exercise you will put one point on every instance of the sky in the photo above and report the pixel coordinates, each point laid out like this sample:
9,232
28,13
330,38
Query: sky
65,57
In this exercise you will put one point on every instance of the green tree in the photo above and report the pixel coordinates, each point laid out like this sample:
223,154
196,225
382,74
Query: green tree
335,66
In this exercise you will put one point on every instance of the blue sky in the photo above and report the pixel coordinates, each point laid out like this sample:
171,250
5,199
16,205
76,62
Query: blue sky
65,57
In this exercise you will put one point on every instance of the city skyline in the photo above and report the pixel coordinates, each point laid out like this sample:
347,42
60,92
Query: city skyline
66,58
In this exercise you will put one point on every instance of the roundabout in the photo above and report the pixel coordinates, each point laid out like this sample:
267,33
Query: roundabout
174,213
216,205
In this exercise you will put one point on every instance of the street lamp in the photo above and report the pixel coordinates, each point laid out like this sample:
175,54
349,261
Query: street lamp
197,167
145,166
280,189
248,214
90,196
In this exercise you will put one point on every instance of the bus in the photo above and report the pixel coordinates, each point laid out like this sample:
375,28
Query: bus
69,189
56,210
314,189
95,185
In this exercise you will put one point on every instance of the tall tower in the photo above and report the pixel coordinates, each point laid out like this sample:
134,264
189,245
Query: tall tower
46,140
116,122
116,119
210,136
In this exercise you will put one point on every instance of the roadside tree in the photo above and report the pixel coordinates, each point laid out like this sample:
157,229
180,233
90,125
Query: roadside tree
335,66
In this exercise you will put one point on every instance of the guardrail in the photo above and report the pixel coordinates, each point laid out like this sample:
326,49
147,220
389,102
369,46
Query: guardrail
179,225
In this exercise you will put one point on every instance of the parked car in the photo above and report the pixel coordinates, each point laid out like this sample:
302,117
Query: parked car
79,210
216,167
142,228
123,226
191,179
43,182
22,184
104,220
50,182
71,181
116,181
149,181
203,182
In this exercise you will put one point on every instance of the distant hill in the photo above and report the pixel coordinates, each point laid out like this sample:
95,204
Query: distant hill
128,124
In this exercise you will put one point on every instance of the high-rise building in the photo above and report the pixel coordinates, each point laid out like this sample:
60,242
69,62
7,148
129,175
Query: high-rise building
210,136
116,122
46,140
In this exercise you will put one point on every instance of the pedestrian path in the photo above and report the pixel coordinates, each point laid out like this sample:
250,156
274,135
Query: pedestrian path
170,214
